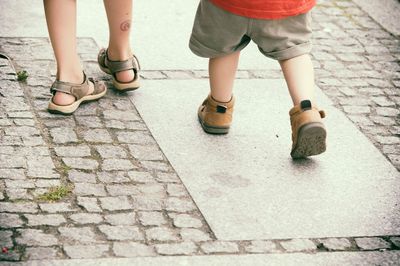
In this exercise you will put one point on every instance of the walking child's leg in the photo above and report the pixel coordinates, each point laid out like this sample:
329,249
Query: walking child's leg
308,131
222,71
299,76
215,113
61,23
119,14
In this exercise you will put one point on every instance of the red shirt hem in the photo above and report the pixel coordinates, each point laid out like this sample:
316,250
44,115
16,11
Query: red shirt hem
278,13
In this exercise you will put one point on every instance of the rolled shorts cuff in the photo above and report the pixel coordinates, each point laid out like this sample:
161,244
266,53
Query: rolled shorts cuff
294,51
202,50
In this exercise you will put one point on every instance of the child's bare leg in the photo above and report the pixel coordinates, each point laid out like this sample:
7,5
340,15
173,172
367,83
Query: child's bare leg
119,14
61,23
308,130
222,72
299,75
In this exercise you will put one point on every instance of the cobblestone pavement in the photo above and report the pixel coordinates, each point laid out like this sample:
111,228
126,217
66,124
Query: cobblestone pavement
126,200
357,66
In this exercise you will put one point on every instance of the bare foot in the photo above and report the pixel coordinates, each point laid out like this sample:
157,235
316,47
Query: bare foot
122,76
125,76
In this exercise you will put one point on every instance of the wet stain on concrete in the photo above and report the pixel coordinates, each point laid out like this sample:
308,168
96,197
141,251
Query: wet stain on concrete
231,181
212,192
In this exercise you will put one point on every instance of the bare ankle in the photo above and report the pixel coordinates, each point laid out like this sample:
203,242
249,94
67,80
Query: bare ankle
77,78
221,98
118,54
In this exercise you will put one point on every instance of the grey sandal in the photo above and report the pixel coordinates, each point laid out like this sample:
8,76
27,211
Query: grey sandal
79,91
113,67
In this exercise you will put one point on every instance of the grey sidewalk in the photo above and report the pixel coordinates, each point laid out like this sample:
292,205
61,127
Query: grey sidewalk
141,186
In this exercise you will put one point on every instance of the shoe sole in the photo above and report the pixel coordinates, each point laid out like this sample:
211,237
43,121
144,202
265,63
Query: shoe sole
212,129
70,109
311,141
123,87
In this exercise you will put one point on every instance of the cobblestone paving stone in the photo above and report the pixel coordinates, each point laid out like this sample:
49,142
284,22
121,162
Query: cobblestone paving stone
126,199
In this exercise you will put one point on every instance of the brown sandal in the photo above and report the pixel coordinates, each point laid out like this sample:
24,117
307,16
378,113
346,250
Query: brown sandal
113,67
79,91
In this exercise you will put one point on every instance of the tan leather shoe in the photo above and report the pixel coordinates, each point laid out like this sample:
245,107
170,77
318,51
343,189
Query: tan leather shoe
215,117
308,130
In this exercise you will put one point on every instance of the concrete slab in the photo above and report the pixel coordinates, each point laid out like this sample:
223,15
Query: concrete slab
342,258
159,47
245,183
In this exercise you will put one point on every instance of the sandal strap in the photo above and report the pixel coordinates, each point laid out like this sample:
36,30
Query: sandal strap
118,66
74,89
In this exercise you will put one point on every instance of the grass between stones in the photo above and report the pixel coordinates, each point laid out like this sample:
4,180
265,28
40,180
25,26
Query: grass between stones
22,75
56,193
65,169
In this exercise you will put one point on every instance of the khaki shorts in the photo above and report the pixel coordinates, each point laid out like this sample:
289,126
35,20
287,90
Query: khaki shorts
217,32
